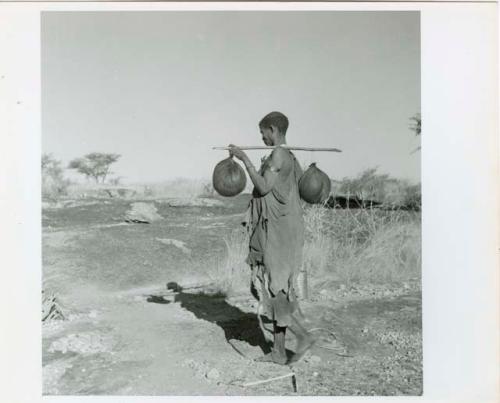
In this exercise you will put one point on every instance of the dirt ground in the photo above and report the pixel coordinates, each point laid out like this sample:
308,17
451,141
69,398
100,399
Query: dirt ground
126,334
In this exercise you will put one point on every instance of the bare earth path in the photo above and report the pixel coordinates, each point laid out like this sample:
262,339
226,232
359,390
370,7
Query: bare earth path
123,336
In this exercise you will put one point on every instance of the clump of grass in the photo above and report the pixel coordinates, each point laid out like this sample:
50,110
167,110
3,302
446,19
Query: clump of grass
317,245
390,253
362,245
231,274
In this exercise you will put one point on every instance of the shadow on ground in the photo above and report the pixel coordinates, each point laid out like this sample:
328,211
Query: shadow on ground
237,324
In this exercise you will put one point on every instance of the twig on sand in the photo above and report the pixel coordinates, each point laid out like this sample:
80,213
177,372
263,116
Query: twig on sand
335,351
322,328
276,378
344,355
330,348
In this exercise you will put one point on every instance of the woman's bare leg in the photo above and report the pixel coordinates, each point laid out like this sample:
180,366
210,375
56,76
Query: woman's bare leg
304,340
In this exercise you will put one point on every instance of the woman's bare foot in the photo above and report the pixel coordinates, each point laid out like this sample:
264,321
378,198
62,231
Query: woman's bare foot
273,356
304,343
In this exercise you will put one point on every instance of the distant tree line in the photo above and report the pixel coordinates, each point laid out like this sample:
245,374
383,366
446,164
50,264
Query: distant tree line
368,185
93,166
381,188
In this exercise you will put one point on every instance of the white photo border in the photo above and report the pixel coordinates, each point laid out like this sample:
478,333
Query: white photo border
460,187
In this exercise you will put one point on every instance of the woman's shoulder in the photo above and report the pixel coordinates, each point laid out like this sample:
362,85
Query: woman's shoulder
281,158
281,153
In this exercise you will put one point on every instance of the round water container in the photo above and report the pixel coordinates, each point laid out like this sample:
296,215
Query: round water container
229,178
314,185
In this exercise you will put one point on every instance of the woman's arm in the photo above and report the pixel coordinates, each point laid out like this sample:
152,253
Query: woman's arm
263,183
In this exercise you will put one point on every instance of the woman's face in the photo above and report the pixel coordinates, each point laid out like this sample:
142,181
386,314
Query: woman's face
267,136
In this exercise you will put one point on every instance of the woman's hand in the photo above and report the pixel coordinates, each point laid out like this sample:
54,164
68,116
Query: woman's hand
237,152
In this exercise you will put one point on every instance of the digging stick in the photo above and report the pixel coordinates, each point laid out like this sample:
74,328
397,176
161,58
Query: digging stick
291,374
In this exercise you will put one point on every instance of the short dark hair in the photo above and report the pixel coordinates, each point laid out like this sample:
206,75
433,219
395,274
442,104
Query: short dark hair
276,119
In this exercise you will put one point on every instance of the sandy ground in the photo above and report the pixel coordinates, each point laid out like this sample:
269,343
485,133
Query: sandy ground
126,334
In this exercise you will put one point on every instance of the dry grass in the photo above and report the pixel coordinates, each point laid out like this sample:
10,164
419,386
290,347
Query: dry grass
317,248
231,274
351,246
362,245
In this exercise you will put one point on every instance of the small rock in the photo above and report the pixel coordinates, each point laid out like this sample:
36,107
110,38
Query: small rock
323,292
213,374
365,330
174,242
315,359
315,374
93,314
142,213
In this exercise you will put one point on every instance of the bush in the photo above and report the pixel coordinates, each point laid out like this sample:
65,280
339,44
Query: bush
413,198
390,192
54,185
208,190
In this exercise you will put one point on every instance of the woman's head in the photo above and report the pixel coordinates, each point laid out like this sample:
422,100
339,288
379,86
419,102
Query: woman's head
275,119
272,126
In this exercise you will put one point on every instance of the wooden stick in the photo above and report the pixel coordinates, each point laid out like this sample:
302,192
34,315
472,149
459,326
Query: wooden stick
269,380
284,146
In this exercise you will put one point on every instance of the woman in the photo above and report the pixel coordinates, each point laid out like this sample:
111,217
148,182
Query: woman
276,229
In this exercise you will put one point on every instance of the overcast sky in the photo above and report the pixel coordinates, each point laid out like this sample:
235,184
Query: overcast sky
162,88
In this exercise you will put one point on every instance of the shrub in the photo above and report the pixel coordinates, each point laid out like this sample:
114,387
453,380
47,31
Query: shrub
391,192
54,185
208,190
413,198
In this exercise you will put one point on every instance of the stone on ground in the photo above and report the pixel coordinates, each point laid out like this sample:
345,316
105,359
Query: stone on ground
143,213
174,242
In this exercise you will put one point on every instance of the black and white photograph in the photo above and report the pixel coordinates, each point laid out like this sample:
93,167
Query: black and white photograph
249,201
231,203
